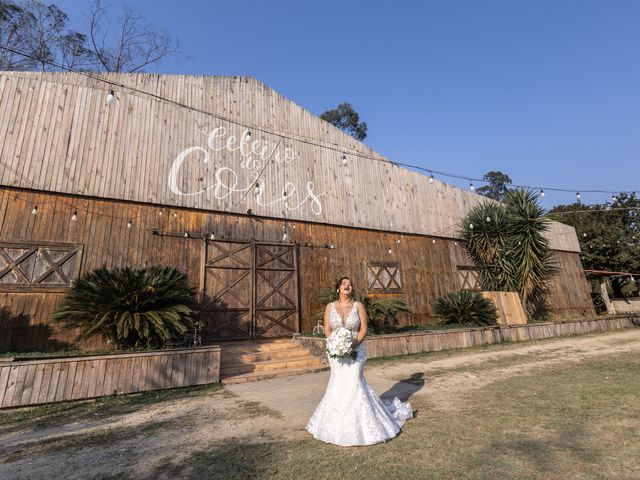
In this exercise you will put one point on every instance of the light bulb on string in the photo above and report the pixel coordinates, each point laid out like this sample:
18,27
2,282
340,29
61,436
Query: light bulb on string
430,177
129,224
471,226
111,97
542,193
186,234
577,196
160,212
35,210
175,214
344,160
433,241
472,187
390,251
614,199
247,136
74,217
212,236
488,219
256,189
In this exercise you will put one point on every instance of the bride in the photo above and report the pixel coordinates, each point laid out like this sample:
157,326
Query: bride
350,413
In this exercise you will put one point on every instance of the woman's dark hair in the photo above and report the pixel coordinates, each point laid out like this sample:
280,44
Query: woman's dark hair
339,282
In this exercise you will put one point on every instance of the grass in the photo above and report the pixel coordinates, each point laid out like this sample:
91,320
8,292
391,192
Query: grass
574,421
578,421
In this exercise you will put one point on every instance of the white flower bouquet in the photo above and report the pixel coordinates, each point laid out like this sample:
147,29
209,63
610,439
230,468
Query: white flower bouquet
339,343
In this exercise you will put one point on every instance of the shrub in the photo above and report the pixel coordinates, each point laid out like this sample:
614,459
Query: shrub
130,307
465,307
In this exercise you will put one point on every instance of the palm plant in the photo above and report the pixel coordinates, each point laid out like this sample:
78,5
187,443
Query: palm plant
465,307
130,307
382,313
508,249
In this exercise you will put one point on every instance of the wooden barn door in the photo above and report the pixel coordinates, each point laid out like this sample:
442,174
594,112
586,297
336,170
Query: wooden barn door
276,287
227,290
249,290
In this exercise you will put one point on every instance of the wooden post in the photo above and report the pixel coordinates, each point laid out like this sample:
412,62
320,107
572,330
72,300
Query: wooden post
605,297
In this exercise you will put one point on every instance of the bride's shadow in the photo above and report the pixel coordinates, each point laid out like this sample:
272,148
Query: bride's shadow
405,388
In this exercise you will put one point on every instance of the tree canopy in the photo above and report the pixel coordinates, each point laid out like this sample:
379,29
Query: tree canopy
609,234
497,186
39,31
346,119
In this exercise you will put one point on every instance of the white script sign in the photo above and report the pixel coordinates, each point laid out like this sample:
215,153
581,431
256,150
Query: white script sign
255,156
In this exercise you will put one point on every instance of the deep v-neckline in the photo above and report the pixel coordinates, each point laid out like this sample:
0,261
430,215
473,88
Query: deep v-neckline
342,321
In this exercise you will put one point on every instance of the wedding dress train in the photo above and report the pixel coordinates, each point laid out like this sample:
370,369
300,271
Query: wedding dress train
350,413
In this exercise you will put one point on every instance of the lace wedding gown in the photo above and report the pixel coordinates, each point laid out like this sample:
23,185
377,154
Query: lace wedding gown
350,413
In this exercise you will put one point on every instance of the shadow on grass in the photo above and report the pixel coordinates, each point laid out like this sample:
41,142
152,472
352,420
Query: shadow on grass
405,388
224,460
547,453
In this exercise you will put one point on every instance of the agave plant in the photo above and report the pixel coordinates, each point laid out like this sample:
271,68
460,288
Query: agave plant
508,249
382,313
465,307
130,307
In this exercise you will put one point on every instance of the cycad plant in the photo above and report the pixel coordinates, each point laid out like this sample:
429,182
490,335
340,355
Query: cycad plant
130,307
382,312
465,307
507,246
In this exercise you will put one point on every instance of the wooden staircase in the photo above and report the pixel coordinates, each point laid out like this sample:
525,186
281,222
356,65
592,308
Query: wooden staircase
248,361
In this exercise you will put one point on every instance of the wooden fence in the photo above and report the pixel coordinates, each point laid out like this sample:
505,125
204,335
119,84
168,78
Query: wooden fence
404,344
51,379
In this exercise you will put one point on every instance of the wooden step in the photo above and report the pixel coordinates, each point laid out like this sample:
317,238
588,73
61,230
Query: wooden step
229,358
258,347
291,363
256,376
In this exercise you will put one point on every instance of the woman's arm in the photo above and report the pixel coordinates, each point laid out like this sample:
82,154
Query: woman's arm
364,325
327,325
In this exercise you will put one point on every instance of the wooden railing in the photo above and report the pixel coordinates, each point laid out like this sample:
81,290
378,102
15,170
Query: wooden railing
50,379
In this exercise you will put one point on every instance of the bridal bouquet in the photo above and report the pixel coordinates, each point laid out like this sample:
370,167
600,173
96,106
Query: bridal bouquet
339,343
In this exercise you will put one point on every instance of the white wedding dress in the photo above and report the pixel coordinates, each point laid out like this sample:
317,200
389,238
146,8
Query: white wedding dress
350,413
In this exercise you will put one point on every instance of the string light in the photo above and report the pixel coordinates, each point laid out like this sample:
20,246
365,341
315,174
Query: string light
111,97
433,241
390,251
344,160
430,177
35,210
160,212
256,189
542,193
129,224
471,226
212,236
74,217
186,234
578,196
472,187
488,219
247,137
299,138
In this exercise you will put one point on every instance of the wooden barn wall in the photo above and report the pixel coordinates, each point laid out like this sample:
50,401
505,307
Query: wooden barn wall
569,292
428,269
58,134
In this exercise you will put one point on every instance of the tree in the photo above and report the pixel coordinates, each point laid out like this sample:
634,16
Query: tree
609,235
506,244
346,119
40,32
133,47
497,187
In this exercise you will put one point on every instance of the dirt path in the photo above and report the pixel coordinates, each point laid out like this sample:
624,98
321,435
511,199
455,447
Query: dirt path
268,411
